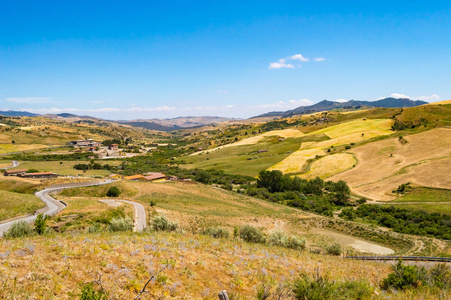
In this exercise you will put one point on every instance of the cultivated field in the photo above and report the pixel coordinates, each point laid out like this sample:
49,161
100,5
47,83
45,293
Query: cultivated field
342,134
11,148
425,160
330,165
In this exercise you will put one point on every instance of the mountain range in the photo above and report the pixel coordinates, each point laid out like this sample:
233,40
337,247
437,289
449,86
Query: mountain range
190,122
327,105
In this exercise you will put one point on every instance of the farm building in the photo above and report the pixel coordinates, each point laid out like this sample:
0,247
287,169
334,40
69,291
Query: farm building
39,175
134,177
83,143
113,147
15,172
154,176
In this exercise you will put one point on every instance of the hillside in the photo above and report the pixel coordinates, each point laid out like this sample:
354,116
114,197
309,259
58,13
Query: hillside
327,105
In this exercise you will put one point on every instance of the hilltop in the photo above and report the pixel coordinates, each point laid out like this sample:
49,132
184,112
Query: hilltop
327,105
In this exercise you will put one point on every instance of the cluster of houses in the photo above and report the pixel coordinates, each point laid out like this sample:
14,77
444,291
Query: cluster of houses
83,144
23,173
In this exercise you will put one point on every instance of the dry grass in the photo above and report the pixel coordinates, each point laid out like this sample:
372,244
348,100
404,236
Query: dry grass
200,266
330,165
17,204
384,165
9,148
66,168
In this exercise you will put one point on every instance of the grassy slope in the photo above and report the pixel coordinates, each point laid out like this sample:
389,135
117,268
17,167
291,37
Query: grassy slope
200,266
65,167
197,206
234,160
16,204
424,194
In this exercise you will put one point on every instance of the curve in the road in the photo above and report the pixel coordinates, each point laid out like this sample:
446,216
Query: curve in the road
140,213
53,205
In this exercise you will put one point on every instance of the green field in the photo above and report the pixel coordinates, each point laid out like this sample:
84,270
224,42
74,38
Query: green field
424,194
16,204
245,160
66,167
444,208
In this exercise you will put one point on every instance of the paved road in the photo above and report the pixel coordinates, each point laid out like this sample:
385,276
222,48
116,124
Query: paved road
53,205
14,165
140,213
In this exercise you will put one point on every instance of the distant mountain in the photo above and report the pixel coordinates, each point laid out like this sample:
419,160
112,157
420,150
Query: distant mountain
327,105
175,123
12,113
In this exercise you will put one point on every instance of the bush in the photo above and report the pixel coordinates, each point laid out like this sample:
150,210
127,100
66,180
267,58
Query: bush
121,224
19,229
88,292
322,288
296,243
404,277
217,232
334,249
113,192
161,223
251,234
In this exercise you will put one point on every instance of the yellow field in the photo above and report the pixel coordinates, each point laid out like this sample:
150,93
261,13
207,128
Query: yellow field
424,160
445,102
341,134
8,148
296,161
16,204
357,126
330,165
285,133
65,167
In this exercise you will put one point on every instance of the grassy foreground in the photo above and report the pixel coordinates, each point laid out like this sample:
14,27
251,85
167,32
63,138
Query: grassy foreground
199,266
16,204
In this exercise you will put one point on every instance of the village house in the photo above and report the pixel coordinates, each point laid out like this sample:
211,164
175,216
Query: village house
154,176
113,147
15,172
83,143
135,178
39,175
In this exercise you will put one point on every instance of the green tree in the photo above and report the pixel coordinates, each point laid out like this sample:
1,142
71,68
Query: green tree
113,192
39,224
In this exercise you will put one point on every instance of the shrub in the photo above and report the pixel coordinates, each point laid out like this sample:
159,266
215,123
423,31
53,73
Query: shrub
19,229
278,238
39,224
113,192
334,249
322,288
121,224
161,223
217,232
404,277
296,243
251,234
88,292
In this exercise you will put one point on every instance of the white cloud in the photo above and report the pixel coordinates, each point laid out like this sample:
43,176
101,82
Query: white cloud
279,65
300,57
287,104
341,100
430,98
399,96
55,110
282,63
29,100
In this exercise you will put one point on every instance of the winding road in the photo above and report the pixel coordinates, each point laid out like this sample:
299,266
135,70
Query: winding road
140,212
54,206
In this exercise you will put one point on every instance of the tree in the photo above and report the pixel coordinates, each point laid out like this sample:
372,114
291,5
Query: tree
113,192
39,224
272,180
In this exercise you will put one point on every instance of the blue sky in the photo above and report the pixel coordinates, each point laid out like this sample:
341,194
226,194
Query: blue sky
158,59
